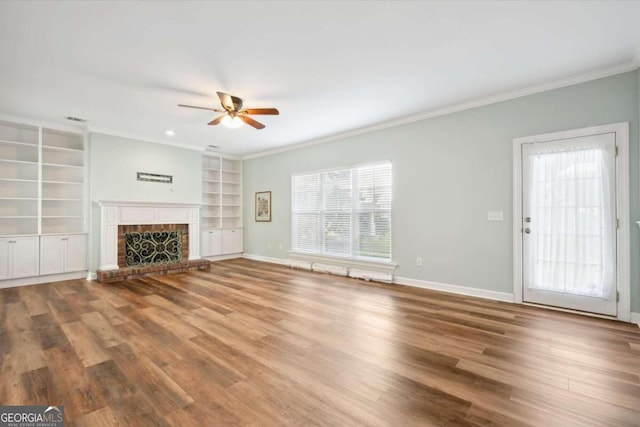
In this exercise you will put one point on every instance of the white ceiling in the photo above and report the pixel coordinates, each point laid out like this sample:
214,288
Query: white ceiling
330,67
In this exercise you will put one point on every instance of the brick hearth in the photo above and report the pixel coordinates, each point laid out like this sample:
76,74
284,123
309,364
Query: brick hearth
126,273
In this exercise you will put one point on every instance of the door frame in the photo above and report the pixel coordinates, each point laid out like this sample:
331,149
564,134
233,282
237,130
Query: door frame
623,274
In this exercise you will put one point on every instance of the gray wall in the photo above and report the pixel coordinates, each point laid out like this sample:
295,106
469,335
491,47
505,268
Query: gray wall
448,172
113,164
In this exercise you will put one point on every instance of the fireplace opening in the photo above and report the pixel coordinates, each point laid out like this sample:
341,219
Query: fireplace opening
152,245
152,248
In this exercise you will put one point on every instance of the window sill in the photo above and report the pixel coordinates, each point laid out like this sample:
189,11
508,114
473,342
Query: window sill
382,266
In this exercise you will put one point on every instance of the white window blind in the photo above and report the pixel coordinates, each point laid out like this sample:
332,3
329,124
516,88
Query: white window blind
343,212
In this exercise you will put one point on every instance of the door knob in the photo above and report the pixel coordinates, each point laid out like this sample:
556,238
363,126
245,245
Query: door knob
527,230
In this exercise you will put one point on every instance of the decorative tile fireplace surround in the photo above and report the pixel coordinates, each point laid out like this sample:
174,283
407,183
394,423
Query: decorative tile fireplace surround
142,221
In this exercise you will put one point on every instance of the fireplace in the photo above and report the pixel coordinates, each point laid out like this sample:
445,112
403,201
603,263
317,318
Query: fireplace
139,239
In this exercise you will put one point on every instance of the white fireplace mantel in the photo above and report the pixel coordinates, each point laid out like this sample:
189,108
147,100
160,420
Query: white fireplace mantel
114,213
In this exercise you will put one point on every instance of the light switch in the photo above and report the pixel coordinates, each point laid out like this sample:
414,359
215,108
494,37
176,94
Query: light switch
494,216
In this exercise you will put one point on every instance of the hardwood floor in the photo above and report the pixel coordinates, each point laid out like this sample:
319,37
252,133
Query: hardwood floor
258,344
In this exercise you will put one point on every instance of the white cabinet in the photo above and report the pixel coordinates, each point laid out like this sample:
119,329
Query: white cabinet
18,257
63,254
4,259
211,243
232,241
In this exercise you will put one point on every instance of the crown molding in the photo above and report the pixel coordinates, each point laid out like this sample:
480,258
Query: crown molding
102,131
480,102
43,123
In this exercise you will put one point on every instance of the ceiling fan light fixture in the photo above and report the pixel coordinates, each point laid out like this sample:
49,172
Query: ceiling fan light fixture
232,122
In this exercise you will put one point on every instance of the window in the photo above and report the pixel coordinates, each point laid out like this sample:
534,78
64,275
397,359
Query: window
343,212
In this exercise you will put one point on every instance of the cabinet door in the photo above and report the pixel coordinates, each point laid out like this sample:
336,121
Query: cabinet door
4,259
76,254
52,254
232,241
24,256
211,243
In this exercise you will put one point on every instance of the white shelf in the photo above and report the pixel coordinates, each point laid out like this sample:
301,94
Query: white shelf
50,147
18,132
24,144
60,165
17,217
19,161
18,180
18,198
63,182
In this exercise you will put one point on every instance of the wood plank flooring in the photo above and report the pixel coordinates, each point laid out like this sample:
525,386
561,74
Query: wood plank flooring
257,344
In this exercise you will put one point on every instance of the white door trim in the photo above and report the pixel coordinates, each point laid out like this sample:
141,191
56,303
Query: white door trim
623,275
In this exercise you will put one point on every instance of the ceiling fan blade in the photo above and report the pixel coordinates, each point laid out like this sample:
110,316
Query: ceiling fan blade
251,122
199,108
230,102
265,111
217,120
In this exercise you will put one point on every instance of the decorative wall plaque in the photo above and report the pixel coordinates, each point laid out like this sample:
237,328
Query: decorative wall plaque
154,177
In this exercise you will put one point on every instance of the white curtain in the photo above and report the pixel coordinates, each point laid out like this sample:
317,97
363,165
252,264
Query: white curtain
571,246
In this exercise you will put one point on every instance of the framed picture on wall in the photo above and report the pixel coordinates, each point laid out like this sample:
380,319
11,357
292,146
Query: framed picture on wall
263,206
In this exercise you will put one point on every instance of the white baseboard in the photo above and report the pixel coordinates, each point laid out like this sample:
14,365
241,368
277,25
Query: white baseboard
221,257
455,289
265,259
635,318
38,280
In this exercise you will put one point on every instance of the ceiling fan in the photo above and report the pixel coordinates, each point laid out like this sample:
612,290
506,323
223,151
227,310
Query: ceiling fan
233,114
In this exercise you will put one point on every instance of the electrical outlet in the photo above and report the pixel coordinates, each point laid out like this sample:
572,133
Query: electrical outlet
494,216
419,261
281,246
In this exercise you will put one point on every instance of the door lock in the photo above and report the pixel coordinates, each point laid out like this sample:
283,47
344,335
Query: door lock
527,219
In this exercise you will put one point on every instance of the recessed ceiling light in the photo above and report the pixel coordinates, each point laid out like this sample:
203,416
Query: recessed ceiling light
170,132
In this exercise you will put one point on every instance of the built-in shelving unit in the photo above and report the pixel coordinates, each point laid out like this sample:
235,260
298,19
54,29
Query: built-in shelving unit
221,193
42,180
63,186
210,212
231,194
19,156
221,213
